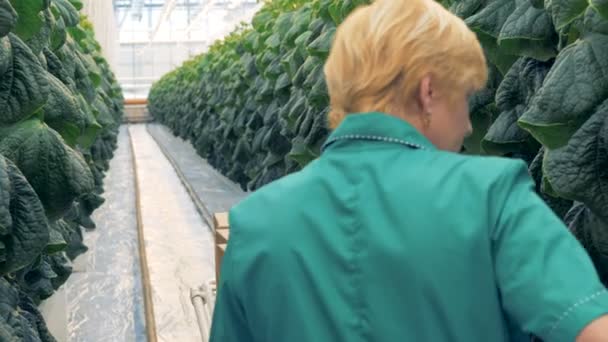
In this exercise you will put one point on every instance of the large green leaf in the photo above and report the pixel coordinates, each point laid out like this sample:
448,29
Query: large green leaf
302,43
66,55
299,24
62,112
96,117
529,32
485,97
72,234
14,326
28,233
491,18
488,23
61,267
538,3
335,12
56,242
481,120
36,280
77,33
320,46
77,4
89,203
67,11
579,170
601,6
504,136
30,21
575,86
592,232
59,35
101,111
42,38
261,19
90,68
559,205
57,172
6,221
8,17
273,42
594,22
85,76
565,11
512,97
349,5
496,55
23,82
55,67
466,8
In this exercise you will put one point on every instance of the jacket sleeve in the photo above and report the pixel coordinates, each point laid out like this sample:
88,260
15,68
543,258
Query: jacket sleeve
229,321
546,279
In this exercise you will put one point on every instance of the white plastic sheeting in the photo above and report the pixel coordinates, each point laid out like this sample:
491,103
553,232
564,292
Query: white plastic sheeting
104,294
179,244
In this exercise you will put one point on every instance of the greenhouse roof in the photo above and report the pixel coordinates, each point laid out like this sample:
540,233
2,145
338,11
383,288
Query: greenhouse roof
151,21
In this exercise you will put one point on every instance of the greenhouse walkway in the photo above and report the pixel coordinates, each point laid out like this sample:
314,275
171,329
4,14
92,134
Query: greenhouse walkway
178,191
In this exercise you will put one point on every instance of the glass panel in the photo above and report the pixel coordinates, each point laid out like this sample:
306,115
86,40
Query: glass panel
156,36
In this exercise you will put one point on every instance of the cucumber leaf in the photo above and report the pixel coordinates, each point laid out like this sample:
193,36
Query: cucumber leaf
565,11
8,17
579,170
529,32
601,6
28,233
58,173
575,86
512,97
24,86
29,20
591,231
67,11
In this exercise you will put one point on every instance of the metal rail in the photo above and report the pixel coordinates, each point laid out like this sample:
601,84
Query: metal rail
143,260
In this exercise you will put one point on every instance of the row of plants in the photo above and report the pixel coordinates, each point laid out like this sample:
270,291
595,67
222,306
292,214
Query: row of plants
60,109
254,105
548,103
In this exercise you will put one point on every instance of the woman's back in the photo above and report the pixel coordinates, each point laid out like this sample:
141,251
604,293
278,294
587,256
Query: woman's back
385,238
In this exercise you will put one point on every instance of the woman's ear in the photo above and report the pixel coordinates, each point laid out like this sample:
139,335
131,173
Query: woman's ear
425,95
425,100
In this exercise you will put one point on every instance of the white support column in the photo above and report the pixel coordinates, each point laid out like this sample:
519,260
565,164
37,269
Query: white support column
101,14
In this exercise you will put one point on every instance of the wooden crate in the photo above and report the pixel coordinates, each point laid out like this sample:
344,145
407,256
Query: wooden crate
221,228
136,102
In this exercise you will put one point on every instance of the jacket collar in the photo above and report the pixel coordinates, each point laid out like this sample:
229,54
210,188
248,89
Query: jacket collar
376,126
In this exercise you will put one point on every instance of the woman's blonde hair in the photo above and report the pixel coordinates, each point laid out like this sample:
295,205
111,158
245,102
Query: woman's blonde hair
382,51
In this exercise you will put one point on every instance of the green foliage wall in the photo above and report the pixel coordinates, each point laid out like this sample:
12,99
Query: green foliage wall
60,108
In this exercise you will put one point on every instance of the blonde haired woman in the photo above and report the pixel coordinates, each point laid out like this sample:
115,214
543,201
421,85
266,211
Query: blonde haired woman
390,235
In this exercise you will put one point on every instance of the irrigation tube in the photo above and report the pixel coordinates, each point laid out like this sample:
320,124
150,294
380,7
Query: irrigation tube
202,300
143,260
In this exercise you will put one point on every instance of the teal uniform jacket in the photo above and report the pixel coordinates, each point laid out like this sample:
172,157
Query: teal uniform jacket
386,238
